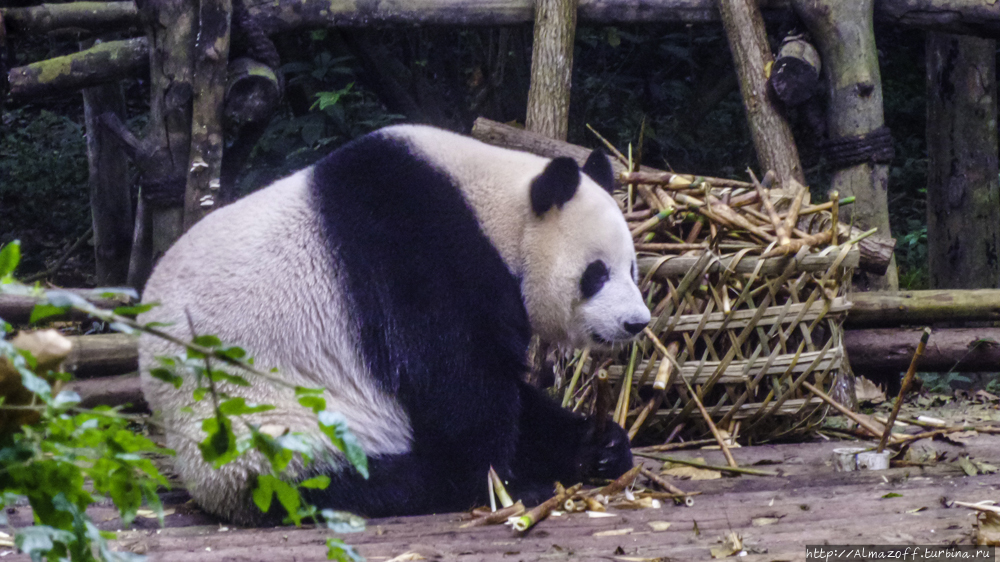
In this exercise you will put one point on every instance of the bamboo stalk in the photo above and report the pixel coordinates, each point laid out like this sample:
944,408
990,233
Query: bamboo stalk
874,431
711,424
672,181
544,509
793,212
834,217
907,381
674,446
499,489
696,464
620,483
496,517
765,199
602,404
668,247
661,482
568,396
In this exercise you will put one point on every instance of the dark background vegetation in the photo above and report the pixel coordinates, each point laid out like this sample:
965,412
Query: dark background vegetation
670,91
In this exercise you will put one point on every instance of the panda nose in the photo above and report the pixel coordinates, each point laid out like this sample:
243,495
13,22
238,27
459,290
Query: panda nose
634,327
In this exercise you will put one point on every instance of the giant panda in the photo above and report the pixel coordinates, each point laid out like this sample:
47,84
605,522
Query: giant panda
404,273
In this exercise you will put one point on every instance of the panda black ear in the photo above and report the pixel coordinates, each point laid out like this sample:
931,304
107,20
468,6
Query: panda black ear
555,185
598,167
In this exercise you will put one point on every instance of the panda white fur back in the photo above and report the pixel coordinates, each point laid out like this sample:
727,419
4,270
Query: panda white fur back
400,274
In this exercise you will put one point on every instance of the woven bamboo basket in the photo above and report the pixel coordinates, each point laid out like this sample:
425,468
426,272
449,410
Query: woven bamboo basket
748,291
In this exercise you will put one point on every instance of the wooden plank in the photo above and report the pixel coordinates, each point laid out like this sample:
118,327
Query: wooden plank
812,505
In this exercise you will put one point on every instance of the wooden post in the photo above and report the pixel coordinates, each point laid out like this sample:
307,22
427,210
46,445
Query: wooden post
551,68
211,56
171,26
772,137
110,193
844,35
963,198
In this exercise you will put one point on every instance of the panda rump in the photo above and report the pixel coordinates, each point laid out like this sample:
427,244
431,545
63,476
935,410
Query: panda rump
393,274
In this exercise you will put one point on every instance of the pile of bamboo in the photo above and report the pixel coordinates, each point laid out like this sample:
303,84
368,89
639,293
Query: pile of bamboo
747,283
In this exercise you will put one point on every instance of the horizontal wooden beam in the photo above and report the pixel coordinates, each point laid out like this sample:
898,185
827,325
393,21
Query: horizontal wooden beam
102,63
91,16
922,308
972,17
975,17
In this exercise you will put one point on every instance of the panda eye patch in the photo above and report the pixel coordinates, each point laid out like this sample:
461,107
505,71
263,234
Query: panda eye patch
593,278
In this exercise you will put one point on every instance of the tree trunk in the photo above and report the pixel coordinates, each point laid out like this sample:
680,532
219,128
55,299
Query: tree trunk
171,28
551,68
844,35
772,137
963,198
211,58
110,193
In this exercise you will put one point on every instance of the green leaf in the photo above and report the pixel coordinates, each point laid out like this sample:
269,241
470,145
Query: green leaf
238,406
10,255
316,483
134,310
35,384
66,398
306,391
41,311
218,375
167,376
892,495
342,521
264,492
219,447
315,403
234,352
207,341
337,550
290,499
199,393
334,426
272,449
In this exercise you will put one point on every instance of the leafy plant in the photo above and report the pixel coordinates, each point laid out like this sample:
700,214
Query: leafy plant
73,456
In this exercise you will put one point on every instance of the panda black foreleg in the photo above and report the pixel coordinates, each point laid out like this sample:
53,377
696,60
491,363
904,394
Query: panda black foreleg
557,445
406,484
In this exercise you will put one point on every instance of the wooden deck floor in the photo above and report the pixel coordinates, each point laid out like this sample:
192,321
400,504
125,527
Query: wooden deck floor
812,505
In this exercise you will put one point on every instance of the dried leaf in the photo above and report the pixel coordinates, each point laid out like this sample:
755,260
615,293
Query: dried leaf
659,525
692,473
764,521
867,391
988,529
731,544
967,466
613,532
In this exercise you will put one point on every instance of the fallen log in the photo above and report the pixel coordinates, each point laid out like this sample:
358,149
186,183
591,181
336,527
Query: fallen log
102,355
950,349
110,391
16,309
920,308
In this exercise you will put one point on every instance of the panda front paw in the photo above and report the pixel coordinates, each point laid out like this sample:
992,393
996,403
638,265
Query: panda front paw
610,452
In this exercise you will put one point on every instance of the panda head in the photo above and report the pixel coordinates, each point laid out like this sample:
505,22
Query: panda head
580,273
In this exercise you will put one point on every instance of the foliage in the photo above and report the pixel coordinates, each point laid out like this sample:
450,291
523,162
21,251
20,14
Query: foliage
43,180
73,457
